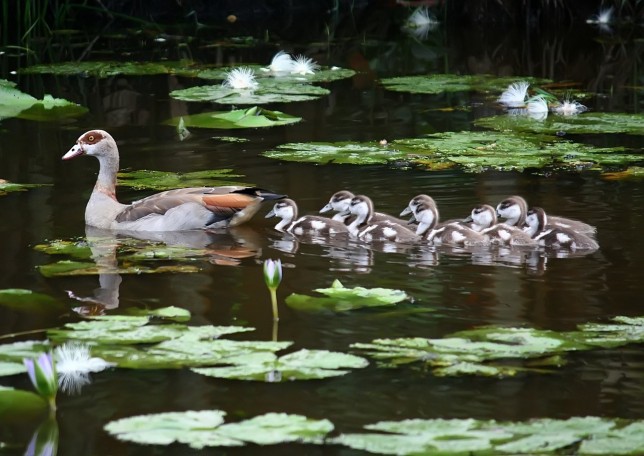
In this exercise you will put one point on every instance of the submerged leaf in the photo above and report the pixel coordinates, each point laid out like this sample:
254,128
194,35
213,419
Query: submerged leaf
75,268
206,428
254,117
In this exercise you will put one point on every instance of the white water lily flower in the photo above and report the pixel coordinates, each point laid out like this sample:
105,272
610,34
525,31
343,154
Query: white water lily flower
282,63
304,65
421,17
537,107
74,363
603,18
569,108
514,96
241,78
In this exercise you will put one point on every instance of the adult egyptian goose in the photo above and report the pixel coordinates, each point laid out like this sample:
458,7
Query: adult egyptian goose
286,209
556,237
425,211
483,220
340,202
173,210
515,208
365,228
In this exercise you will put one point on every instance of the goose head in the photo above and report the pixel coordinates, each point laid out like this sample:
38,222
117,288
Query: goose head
483,216
361,207
339,202
417,201
285,209
426,213
513,209
98,143
535,221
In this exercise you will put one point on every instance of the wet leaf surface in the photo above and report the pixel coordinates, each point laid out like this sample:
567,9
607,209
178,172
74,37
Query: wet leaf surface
267,91
441,83
14,103
254,117
8,187
206,428
105,69
163,180
338,298
28,301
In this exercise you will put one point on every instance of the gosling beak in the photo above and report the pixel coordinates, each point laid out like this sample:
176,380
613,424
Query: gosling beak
405,211
412,220
270,214
468,219
345,213
326,208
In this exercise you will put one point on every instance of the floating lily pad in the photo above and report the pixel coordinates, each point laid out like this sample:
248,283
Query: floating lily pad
267,91
166,313
17,351
254,117
75,268
474,151
206,428
474,352
77,249
27,300
584,435
586,123
14,103
441,83
18,403
340,298
632,172
324,74
8,187
10,368
163,180
105,69
300,365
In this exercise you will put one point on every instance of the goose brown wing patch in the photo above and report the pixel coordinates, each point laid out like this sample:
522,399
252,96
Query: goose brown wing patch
235,201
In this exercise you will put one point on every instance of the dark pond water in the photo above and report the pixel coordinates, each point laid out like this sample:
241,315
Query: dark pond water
461,290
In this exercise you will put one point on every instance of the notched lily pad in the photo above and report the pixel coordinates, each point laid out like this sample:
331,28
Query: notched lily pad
14,103
340,153
324,74
166,313
441,83
267,91
583,435
254,117
341,299
206,428
163,180
105,69
585,123
300,365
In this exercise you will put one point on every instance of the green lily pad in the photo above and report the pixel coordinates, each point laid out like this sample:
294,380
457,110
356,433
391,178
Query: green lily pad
17,351
78,249
584,435
474,352
324,74
163,180
75,268
8,187
166,313
442,83
27,300
206,428
9,368
14,103
632,172
105,69
474,151
300,365
341,299
267,91
586,123
254,117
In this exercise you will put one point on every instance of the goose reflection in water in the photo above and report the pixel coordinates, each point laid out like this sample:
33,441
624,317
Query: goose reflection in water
225,248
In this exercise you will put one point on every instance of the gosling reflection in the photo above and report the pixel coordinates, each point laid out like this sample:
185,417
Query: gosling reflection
226,248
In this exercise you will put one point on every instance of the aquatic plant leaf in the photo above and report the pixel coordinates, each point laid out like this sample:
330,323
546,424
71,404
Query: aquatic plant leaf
79,249
206,428
75,268
585,123
441,83
27,300
254,117
8,368
632,172
341,299
105,69
324,74
474,151
163,180
8,187
15,352
267,91
301,365
166,313
14,403
456,437
14,103
339,153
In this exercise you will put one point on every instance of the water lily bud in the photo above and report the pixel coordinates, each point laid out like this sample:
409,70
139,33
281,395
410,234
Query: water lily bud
42,374
272,273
